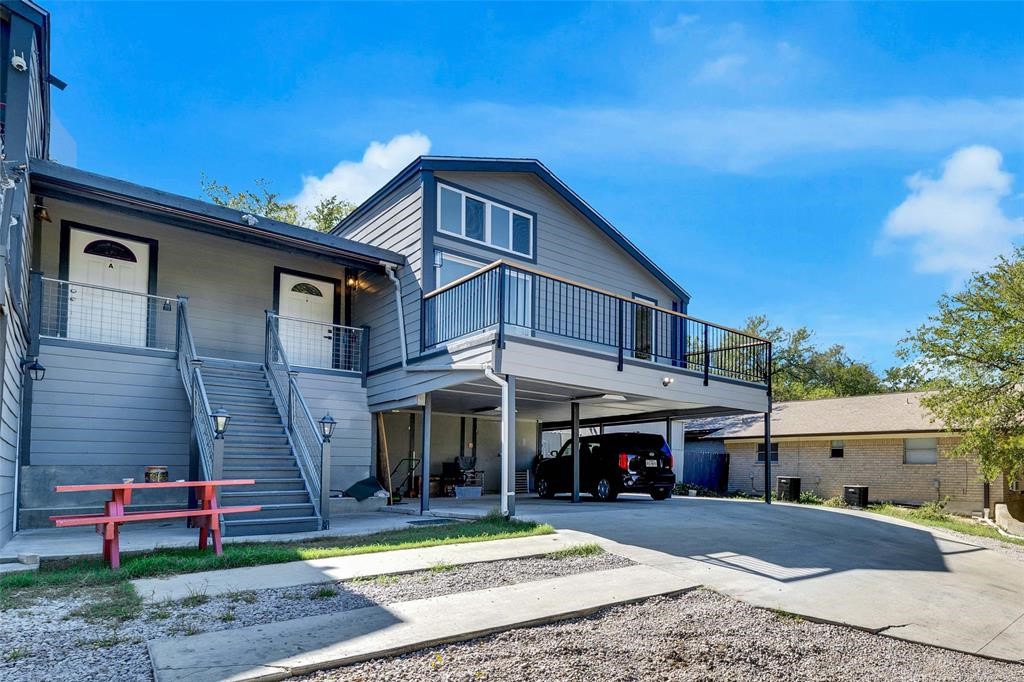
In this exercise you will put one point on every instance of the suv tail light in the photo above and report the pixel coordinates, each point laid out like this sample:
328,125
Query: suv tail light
668,461
624,461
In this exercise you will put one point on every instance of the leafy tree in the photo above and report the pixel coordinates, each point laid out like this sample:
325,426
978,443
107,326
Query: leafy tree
263,202
975,345
803,371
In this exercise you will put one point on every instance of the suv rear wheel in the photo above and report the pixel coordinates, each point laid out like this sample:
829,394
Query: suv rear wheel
605,490
661,493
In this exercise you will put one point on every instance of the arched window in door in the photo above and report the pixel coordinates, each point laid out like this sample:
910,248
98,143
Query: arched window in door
108,248
307,289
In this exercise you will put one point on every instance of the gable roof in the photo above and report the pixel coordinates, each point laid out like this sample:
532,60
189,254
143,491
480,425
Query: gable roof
62,182
503,165
866,414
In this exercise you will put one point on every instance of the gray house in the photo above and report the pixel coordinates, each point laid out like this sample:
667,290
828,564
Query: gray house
457,311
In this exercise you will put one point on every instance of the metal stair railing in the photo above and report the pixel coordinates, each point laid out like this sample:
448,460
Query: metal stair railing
303,433
189,367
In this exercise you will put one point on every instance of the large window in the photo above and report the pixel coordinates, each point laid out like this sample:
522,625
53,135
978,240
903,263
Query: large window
920,450
451,268
481,220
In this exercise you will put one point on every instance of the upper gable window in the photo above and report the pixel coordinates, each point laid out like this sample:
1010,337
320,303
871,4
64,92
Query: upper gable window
484,221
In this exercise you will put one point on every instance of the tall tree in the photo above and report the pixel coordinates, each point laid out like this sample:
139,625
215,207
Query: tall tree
974,344
803,371
263,202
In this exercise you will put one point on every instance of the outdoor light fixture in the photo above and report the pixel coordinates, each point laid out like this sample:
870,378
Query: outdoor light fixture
34,368
667,381
327,425
352,280
220,418
40,212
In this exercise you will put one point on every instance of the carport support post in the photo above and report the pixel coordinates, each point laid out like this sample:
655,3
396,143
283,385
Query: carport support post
575,411
425,456
767,457
508,447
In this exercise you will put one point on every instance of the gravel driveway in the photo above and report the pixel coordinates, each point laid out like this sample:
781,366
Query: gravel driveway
698,636
42,643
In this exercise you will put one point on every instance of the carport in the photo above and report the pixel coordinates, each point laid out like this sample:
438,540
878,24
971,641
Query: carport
472,419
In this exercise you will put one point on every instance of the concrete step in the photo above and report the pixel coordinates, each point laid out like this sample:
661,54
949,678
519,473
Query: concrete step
265,497
275,510
301,524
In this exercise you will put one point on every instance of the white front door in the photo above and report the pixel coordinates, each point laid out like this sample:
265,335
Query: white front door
101,269
306,307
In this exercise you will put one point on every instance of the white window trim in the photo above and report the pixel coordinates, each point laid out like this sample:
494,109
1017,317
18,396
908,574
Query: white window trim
487,221
933,463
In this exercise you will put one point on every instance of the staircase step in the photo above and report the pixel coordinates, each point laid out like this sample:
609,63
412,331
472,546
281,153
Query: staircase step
239,439
280,484
232,392
237,381
233,449
265,497
236,461
300,524
241,400
240,430
257,472
272,510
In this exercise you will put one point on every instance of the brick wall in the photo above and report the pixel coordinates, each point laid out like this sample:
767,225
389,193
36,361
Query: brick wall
876,463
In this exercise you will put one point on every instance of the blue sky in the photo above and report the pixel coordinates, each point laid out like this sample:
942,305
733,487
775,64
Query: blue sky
833,165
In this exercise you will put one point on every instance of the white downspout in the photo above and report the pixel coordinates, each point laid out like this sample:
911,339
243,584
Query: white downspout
389,268
505,454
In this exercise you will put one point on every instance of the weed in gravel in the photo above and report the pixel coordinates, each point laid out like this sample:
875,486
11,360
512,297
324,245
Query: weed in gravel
16,655
377,580
107,642
195,598
443,567
246,597
786,615
227,617
324,593
104,604
574,551
159,614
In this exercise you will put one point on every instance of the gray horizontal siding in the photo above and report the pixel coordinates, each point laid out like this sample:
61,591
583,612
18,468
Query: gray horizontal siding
10,419
345,399
100,408
229,283
397,226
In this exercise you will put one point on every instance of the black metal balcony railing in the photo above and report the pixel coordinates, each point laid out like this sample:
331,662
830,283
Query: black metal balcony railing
515,299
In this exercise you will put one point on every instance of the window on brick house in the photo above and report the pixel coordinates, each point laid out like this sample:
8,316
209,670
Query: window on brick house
760,452
838,449
920,450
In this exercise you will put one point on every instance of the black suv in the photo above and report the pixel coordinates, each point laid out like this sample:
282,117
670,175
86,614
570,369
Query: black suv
609,465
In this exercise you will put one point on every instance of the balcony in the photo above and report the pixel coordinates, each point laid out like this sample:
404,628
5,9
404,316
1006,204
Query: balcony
515,300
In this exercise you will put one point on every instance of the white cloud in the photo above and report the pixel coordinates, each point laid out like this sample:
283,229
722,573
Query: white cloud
721,69
955,223
662,34
356,180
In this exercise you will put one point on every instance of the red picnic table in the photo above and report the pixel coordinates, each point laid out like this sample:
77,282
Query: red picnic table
207,516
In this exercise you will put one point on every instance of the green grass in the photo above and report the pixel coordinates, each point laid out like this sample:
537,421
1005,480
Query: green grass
16,655
443,567
933,515
324,593
72,577
573,551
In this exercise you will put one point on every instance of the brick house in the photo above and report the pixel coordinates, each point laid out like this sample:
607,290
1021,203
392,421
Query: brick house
888,442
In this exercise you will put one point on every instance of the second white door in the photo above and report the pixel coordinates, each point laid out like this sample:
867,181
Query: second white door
306,306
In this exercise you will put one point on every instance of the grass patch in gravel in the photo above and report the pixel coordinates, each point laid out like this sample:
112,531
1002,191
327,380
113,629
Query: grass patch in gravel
573,551
932,515
324,593
110,603
21,589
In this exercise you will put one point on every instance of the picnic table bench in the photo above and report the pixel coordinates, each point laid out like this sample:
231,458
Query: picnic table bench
206,517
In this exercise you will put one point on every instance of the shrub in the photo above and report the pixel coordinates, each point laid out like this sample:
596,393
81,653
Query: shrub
836,501
683,489
932,511
807,497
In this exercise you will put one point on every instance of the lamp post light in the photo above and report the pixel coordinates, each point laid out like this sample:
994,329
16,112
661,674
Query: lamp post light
327,424
34,368
220,418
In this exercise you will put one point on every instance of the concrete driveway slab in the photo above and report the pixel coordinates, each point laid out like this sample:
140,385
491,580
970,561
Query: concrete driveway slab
279,650
847,567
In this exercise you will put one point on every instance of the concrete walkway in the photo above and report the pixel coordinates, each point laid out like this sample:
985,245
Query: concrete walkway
333,569
63,543
279,650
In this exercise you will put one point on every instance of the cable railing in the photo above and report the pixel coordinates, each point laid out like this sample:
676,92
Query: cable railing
513,299
302,429
98,314
320,345
189,366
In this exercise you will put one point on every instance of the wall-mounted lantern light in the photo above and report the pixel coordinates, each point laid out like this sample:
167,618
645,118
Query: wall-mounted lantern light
220,418
352,281
34,368
327,425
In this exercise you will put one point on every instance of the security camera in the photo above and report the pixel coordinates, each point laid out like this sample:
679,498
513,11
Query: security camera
18,62
250,220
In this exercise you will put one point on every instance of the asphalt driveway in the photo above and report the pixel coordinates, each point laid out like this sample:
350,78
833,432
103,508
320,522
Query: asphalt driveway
841,566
